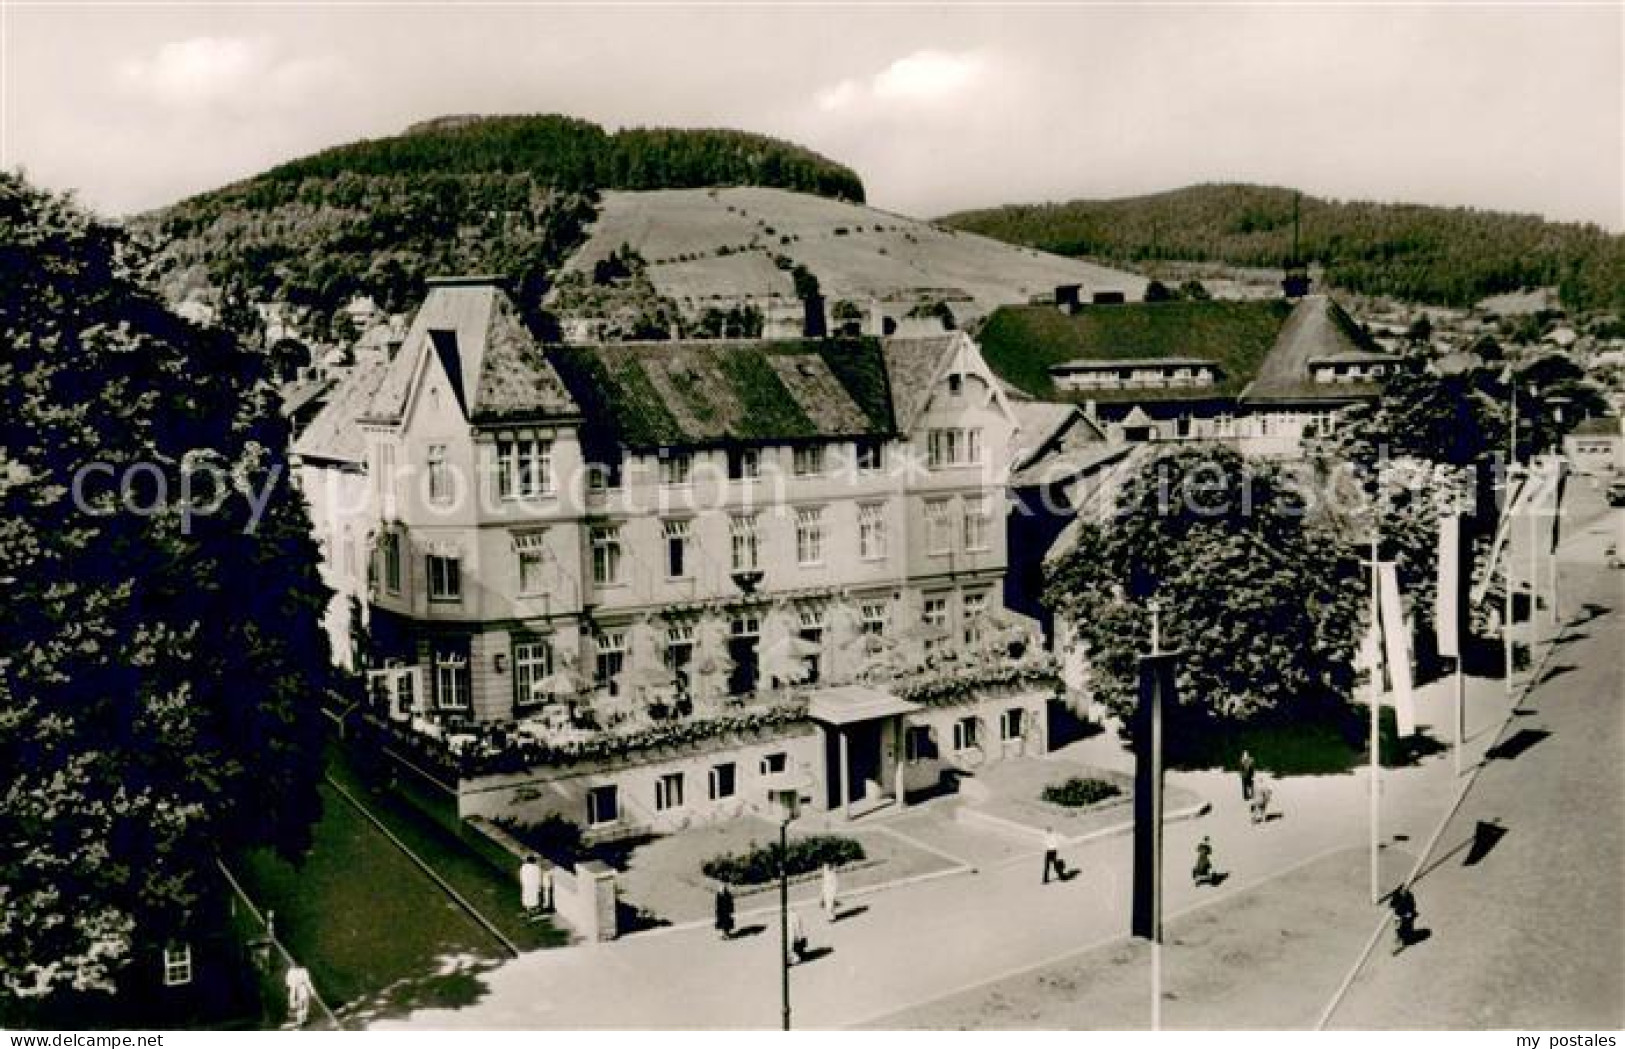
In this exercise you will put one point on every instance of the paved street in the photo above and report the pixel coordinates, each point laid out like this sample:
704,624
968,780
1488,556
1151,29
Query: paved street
1531,933
1495,959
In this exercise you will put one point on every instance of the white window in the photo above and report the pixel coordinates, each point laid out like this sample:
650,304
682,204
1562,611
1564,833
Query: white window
440,484
390,547
1012,723
669,792
611,661
677,535
675,467
531,549
603,805
606,555
532,665
973,609
775,763
445,578
746,545
451,686
953,446
744,464
976,522
809,460
680,654
812,633
967,733
524,468
869,455
721,782
873,616
934,614
178,965
810,536
872,531
938,527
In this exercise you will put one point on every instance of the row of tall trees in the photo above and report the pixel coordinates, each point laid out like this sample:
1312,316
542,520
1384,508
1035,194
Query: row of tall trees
161,653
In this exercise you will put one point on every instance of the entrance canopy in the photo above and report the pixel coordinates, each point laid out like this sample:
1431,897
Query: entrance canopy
848,704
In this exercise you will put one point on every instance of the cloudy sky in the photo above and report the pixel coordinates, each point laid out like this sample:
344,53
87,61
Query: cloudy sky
1502,106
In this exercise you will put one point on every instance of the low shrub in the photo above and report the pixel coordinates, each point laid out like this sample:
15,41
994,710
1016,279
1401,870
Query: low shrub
760,865
1080,791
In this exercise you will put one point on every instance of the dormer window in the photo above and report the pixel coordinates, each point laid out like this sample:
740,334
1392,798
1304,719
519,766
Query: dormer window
675,467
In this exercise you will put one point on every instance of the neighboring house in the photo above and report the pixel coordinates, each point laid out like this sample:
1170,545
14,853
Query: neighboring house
637,583
1259,374
1597,446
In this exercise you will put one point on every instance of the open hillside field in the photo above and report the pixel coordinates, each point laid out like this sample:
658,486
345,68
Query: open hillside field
718,246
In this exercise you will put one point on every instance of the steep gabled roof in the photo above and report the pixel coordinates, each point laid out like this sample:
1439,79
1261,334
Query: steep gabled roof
496,370
1317,330
647,395
912,366
1262,348
333,436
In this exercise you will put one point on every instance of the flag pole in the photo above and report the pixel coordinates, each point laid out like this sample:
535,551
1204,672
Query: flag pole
1156,864
1375,690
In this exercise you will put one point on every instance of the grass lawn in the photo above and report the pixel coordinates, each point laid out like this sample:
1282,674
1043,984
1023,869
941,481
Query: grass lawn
374,932
494,893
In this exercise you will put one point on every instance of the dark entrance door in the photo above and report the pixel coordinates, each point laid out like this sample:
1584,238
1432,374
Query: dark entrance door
863,760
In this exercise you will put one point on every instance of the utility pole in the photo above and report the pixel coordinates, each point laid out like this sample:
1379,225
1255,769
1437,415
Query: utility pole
1156,863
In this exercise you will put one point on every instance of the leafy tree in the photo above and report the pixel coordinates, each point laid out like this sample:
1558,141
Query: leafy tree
1194,291
1262,599
1157,291
160,671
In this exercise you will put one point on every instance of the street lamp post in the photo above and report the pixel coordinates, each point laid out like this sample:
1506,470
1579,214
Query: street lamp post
789,803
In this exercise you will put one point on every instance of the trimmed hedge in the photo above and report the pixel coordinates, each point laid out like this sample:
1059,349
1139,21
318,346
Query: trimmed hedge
760,865
1080,791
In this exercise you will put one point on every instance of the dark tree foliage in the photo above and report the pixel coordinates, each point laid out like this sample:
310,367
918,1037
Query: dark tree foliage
1447,256
159,673
1263,600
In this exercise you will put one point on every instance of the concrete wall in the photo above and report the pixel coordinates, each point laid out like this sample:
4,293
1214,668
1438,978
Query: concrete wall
533,797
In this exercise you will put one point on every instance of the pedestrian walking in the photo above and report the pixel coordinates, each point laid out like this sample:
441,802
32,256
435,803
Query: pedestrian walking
1247,767
798,937
1052,855
1403,904
831,887
725,912
530,885
1202,872
1260,804
300,992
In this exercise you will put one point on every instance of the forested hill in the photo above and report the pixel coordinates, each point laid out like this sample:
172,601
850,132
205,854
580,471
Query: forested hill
505,195
1445,256
575,154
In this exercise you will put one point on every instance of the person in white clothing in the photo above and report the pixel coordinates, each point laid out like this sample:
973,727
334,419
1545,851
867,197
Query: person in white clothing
530,885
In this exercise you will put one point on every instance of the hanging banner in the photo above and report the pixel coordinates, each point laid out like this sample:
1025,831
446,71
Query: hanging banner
1156,694
1450,598
1397,649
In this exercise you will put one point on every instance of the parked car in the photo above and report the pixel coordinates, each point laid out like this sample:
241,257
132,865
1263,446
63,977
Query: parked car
1616,494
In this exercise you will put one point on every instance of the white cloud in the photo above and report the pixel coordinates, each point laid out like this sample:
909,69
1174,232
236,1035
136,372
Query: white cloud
922,77
210,72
